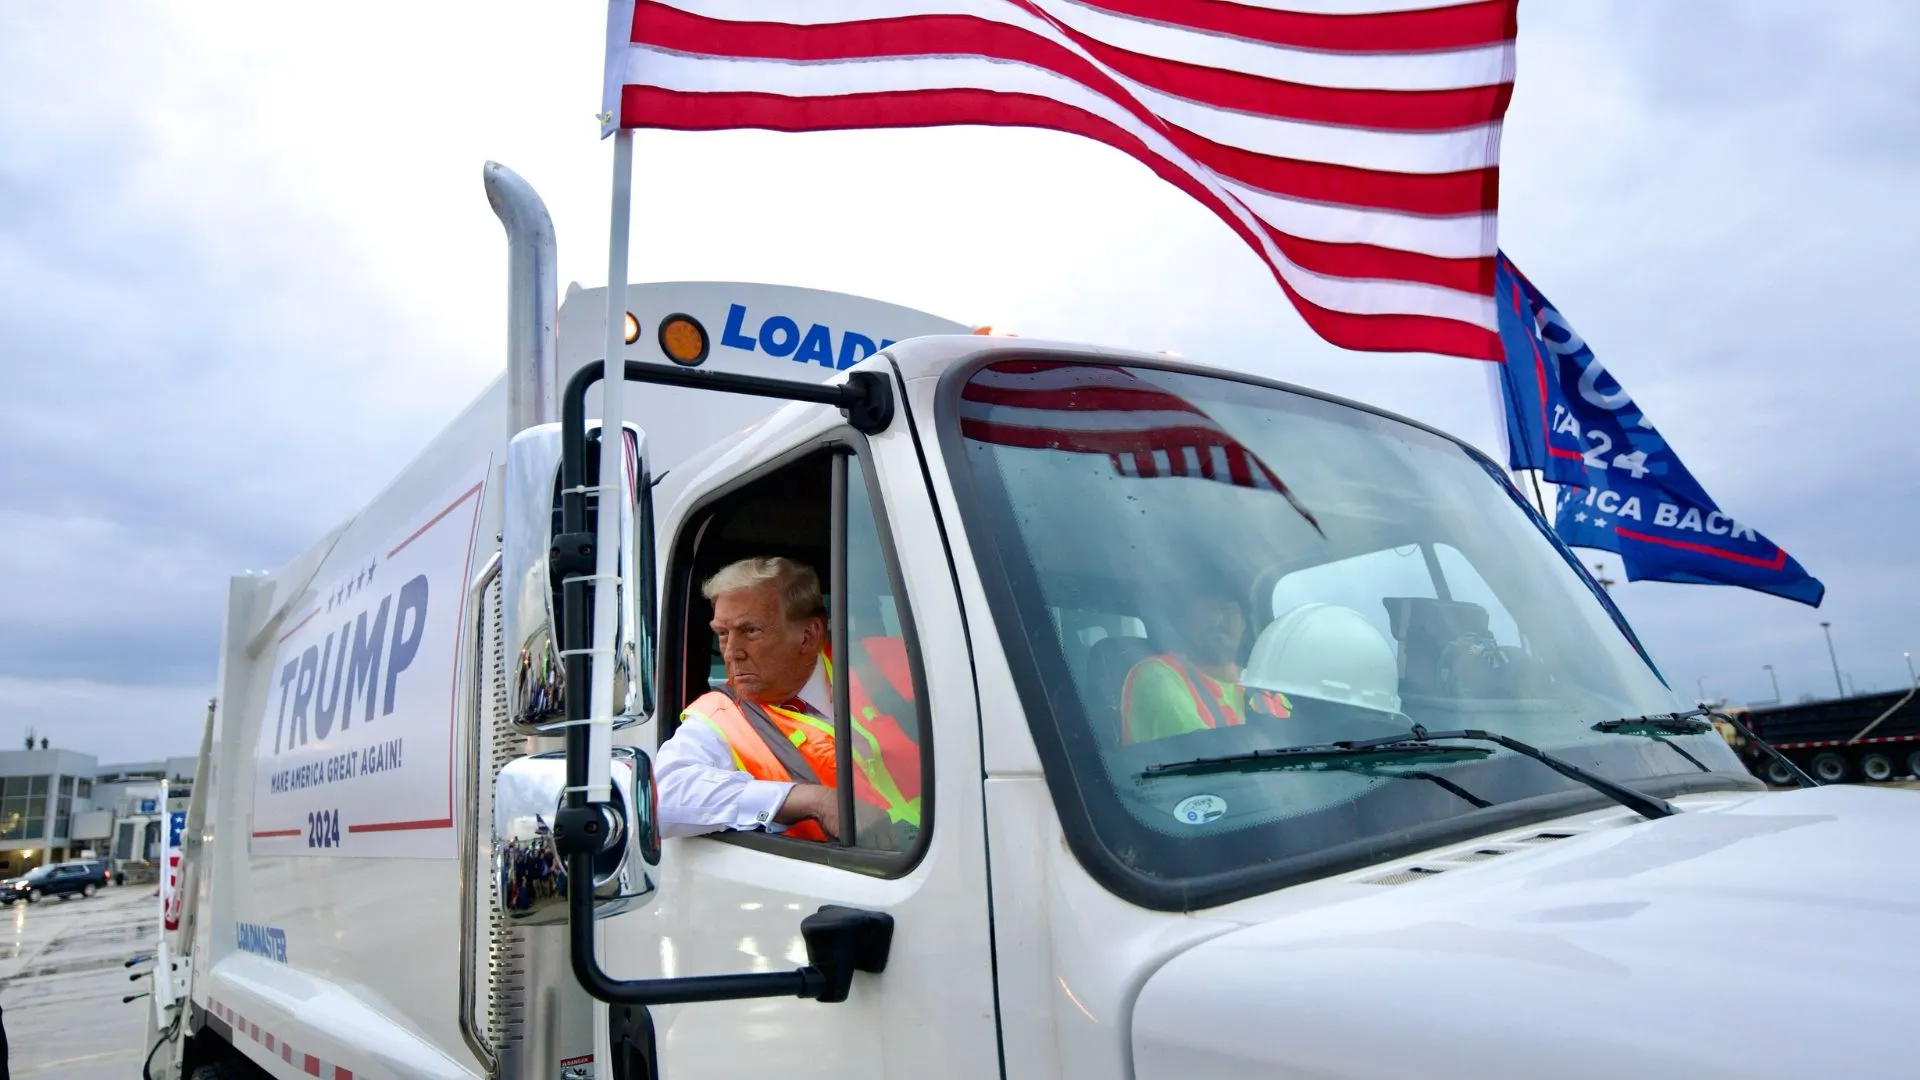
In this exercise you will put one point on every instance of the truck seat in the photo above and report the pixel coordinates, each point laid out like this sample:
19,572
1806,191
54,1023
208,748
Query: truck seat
1108,662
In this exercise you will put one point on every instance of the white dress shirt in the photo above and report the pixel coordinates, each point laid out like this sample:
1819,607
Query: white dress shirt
699,789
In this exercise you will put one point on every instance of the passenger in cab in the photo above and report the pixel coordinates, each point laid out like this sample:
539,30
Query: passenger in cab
758,752
1197,683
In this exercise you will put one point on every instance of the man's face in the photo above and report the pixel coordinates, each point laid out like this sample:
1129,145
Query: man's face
1213,626
768,658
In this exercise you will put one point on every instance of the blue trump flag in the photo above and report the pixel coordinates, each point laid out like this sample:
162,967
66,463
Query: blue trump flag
1622,487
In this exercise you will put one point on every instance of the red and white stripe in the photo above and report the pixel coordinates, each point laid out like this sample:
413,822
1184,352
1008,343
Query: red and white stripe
1353,144
277,1046
1144,430
1818,743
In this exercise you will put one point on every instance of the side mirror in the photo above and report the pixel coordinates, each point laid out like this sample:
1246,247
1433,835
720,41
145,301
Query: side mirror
530,589
531,875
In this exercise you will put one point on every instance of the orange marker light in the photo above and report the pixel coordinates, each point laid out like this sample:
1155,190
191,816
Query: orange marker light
684,340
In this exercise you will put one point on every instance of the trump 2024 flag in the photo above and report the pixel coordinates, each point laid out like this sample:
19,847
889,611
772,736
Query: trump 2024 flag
1623,489
1354,146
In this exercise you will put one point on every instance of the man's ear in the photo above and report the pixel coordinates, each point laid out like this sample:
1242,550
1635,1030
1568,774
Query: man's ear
816,633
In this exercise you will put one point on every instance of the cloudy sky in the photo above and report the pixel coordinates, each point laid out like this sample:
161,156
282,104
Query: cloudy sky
247,267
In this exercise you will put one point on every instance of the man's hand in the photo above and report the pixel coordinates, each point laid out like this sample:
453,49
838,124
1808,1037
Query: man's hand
822,804
815,801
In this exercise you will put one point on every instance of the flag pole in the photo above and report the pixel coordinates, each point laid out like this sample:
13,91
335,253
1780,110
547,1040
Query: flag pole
612,483
1533,477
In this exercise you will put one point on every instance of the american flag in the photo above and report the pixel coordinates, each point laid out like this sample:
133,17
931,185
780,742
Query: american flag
1353,144
1144,430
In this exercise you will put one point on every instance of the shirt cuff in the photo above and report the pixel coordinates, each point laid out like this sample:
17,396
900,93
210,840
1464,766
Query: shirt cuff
759,800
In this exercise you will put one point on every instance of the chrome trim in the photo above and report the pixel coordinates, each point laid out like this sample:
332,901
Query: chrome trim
536,673
533,289
530,877
469,830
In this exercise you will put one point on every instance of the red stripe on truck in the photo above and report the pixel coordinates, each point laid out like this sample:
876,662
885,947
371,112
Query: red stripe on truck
275,1045
402,826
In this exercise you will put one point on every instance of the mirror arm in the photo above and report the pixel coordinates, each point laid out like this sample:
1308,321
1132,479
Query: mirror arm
866,397
840,940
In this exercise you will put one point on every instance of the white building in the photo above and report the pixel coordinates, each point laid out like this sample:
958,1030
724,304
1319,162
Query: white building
39,792
61,804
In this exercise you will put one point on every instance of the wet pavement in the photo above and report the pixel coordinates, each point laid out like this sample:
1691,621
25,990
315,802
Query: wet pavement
62,974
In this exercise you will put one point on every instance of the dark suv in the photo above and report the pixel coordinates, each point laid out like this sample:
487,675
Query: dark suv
81,877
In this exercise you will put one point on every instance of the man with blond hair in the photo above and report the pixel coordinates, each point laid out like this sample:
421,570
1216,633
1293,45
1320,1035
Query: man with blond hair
758,752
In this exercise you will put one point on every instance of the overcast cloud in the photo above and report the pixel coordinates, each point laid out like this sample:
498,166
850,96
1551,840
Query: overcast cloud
247,267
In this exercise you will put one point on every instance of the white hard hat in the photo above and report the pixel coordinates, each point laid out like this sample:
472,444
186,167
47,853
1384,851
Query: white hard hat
1328,652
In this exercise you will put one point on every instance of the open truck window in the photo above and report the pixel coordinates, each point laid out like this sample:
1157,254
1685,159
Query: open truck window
1190,567
788,511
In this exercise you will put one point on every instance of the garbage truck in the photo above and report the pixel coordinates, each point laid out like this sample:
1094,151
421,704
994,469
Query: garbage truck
1247,731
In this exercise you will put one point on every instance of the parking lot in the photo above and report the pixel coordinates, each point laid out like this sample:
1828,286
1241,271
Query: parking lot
62,974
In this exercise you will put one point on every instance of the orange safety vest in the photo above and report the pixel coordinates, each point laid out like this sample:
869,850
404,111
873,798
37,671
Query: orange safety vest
886,761
1212,711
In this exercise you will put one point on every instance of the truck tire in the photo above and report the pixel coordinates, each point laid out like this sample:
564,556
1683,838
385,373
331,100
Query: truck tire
1913,764
1876,767
1829,767
219,1068
87,889
1778,774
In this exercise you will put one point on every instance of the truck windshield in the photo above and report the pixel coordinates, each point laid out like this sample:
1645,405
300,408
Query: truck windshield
1186,567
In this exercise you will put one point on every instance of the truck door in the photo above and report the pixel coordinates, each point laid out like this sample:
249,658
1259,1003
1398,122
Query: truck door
732,900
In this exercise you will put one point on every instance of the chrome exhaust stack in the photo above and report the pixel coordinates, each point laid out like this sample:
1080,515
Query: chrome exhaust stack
522,1013
533,290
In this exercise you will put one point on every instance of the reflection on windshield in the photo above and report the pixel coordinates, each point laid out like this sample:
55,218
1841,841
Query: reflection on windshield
1203,567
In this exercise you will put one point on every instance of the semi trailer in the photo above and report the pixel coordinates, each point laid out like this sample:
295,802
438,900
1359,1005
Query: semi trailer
1867,737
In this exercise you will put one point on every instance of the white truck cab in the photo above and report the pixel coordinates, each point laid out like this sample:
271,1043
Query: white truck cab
1444,817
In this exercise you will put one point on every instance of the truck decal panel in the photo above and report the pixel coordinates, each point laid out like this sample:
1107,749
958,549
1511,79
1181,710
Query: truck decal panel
354,751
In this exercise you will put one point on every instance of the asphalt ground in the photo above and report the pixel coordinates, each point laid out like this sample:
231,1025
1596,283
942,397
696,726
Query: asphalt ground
62,974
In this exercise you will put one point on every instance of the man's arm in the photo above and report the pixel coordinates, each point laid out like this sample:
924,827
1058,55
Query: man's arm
700,790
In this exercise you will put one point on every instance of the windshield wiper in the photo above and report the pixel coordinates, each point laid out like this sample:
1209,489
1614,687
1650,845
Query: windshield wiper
1418,745
1656,724
1657,727
1800,777
1335,757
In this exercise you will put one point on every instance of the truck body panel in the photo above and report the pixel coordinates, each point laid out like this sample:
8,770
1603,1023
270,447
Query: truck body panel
309,941
1740,938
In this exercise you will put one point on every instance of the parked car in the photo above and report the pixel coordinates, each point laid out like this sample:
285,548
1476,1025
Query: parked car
80,877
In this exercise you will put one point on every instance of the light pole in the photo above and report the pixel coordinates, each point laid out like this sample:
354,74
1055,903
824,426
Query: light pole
1776,682
1915,679
1837,684
1701,683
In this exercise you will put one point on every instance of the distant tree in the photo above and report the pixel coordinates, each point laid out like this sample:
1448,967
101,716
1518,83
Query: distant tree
29,738
43,742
